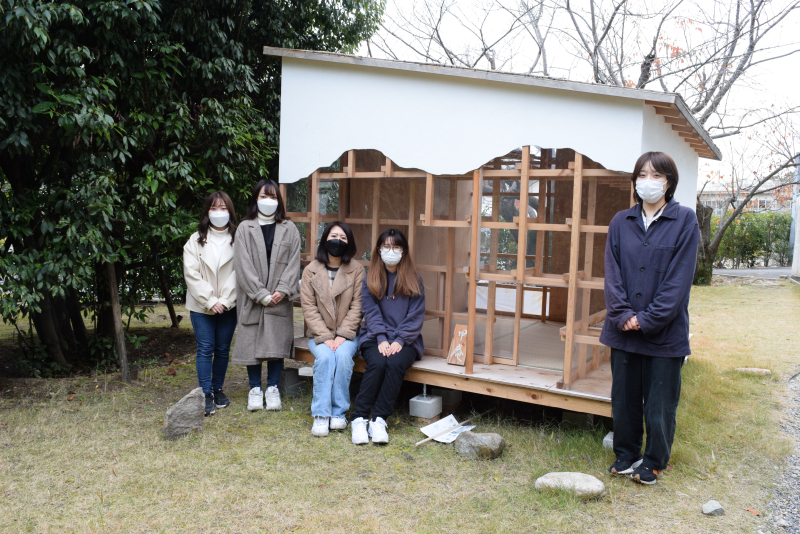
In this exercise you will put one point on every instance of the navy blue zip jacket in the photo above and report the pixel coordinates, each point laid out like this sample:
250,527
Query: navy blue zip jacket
649,275
393,317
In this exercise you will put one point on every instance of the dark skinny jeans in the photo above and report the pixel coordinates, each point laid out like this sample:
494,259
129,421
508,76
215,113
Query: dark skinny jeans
646,387
382,380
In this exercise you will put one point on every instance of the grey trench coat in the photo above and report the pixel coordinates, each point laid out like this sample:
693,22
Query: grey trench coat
264,332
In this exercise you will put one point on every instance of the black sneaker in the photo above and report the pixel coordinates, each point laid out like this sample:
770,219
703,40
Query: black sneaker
221,400
645,475
210,410
624,467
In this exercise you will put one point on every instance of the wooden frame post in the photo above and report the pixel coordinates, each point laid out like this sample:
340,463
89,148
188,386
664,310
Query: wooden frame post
429,192
491,289
448,280
522,248
313,218
574,251
474,264
587,269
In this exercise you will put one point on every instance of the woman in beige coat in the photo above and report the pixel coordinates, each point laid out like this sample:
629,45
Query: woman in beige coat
211,294
331,297
267,259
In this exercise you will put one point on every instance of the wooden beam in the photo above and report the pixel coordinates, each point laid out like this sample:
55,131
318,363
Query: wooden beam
522,248
412,221
313,216
575,239
587,268
449,272
658,104
376,210
429,191
668,112
491,295
474,261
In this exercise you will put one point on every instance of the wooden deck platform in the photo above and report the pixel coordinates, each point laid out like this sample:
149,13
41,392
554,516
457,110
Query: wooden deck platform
537,386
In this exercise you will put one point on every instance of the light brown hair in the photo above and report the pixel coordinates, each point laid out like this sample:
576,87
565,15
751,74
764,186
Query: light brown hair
663,164
407,281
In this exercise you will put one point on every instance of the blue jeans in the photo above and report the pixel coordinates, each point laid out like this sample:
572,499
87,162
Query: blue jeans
332,372
213,334
274,369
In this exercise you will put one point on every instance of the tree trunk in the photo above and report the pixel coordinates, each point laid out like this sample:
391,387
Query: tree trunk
162,280
75,317
46,329
119,334
104,314
705,257
61,319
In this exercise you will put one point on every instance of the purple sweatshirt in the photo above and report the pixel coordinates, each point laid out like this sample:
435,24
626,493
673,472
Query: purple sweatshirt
393,317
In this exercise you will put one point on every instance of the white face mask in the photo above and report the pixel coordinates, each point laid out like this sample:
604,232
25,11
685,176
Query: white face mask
267,206
219,218
650,191
390,257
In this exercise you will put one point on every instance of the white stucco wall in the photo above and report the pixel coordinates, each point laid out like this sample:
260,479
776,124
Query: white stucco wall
445,124
658,136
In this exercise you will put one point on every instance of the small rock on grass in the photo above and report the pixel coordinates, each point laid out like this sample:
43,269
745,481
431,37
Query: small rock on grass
753,371
186,416
481,446
713,508
580,484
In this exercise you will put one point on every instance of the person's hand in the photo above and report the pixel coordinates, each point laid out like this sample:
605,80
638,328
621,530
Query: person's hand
631,324
276,298
338,342
331,343
394,348
383,348
218,308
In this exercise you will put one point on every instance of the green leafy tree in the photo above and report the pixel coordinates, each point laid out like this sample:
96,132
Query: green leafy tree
116,119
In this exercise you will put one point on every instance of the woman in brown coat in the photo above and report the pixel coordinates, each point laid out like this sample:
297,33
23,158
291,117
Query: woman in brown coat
266,255
331,297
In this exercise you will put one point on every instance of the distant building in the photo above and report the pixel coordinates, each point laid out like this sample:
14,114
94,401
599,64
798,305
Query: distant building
717,196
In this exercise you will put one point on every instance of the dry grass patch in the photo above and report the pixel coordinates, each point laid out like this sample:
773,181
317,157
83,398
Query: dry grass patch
98,463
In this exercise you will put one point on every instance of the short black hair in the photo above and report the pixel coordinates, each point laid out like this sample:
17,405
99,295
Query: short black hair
661,163
322,252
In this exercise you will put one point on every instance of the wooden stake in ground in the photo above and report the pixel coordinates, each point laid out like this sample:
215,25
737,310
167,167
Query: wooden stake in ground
119,335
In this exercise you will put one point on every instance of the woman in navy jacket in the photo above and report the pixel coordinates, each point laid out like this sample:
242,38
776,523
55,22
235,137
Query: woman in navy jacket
393,303
650,257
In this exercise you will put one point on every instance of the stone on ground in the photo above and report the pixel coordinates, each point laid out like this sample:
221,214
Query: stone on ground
481,446
753,371
186,415
608,441
713,508
580,484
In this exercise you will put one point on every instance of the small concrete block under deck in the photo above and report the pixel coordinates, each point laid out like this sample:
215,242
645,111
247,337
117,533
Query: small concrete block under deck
425,407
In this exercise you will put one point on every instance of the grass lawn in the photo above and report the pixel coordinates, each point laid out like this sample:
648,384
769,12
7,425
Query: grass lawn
99,463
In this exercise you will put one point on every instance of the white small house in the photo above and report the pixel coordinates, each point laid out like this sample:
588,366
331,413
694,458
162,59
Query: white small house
503,183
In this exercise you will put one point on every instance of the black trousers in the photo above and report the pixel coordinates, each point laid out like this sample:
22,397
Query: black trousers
382,380
649,387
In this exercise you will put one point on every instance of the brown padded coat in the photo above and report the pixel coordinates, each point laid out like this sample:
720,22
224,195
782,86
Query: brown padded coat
264,332
332,311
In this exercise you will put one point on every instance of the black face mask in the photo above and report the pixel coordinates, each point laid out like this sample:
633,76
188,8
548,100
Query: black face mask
336,247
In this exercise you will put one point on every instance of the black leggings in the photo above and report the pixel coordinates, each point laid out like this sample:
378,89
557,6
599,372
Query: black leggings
382,380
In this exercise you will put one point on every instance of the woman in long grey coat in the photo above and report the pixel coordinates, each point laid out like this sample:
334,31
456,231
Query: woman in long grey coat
267,262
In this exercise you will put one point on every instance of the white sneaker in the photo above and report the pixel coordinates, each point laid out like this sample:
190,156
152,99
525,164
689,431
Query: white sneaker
377,431
273,398
338,423
255,400
359,426
320,427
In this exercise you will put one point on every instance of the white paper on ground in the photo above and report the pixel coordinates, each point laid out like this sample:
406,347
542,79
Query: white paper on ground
443,424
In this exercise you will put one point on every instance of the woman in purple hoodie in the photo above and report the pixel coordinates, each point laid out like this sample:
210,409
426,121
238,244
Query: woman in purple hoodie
393,303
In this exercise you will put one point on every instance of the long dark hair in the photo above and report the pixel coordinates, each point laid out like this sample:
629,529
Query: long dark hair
663,164
407,282
271,188
205,222
322,253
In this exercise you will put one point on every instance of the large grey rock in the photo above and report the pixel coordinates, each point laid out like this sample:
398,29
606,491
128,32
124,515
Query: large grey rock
754,371
186,415
481,446
580,484
713,508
